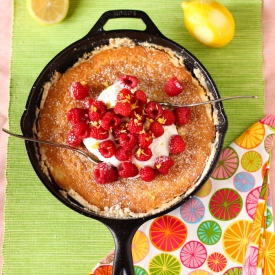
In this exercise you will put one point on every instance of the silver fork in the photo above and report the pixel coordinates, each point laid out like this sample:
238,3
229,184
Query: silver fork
206,102
93,160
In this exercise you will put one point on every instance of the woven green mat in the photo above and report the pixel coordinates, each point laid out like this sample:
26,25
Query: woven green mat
42,236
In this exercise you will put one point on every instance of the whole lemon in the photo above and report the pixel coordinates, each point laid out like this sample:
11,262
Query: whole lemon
209,22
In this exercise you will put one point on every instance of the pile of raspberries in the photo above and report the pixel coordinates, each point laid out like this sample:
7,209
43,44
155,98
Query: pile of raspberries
134,122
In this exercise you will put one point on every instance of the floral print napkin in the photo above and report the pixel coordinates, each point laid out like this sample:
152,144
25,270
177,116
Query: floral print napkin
226,228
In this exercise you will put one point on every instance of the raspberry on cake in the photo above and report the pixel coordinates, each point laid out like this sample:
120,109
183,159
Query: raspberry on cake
127,169
127,141
125,94
138,113
97,132
104,173
123,108
182,115
145,139
173,87
140,97
128,81
143,154
177,144
80,90
88,102
135,126
107,148
147,173
156,129
167,117
122,154
110,121
76,115
153,110
97,110
121,129
81,130
163,164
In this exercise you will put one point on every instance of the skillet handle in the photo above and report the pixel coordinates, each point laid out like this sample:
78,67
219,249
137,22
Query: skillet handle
123,232
112,14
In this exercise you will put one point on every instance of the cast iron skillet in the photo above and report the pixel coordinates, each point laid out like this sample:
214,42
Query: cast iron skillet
122,230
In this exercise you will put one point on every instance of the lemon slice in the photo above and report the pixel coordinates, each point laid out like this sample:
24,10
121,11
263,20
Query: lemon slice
48,12
209,22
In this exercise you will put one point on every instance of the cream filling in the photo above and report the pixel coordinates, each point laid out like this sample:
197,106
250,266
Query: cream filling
159,146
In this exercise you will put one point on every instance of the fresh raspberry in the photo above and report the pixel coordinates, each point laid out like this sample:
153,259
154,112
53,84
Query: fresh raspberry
98,133
167,118
138,113
107,148
105,173
128,141
79,90
121,129
135,126
81,130
173,87
125,94
123,108
110,121
143,154
127,170
88,102
182,115
140,97
128,81
73,140
147,173
122,154
153,110
76,115
97,110
163,164
177,144
145,139
156,128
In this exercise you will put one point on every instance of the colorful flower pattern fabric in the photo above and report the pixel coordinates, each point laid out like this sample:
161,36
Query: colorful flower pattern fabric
226,228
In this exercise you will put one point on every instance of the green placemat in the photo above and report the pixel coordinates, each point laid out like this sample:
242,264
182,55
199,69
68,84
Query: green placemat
42,236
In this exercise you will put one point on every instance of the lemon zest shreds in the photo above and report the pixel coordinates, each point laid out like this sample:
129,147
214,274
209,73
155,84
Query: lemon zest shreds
95,145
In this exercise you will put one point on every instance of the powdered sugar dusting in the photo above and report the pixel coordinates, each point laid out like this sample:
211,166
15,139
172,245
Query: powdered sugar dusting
153,66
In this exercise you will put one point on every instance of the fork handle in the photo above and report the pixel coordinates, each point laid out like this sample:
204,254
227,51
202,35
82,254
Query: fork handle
206,102
51,143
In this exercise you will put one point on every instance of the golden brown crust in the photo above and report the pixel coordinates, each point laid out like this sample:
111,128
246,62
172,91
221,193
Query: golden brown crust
153,68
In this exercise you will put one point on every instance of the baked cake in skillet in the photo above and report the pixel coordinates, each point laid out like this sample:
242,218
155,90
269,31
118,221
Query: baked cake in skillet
157,72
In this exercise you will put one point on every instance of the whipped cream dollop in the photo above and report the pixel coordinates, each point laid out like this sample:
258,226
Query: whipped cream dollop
159,146
109,95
